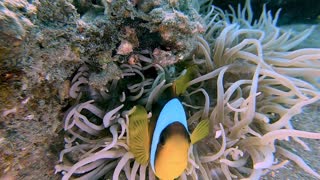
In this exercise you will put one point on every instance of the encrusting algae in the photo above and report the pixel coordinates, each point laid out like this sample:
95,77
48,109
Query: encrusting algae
236,93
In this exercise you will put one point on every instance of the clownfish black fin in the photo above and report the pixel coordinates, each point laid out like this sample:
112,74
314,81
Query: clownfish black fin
139,140
200,132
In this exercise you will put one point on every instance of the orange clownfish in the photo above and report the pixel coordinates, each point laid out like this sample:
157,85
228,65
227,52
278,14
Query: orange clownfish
166,149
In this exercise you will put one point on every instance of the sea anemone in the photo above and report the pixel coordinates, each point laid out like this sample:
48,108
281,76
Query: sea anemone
244,77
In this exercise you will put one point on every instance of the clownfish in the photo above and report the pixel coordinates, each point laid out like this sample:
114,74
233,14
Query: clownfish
166,145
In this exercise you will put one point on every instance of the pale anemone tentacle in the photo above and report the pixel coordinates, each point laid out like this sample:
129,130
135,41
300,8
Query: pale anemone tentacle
113,130
297,139
123,161
207,102
204,46
99,172
134,170
299,161
279,165
153,94
74,148
110,115
218,154
142,172
217,115
101,155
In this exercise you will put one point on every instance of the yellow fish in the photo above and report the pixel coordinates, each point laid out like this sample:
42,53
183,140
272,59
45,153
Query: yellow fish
167,146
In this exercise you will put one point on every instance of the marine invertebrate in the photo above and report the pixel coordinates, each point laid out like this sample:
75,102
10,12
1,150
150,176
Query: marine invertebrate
250,87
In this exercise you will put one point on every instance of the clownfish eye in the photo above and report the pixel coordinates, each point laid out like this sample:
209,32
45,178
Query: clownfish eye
162,139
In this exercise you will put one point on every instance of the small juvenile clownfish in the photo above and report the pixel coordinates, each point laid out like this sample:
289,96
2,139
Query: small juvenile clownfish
168,150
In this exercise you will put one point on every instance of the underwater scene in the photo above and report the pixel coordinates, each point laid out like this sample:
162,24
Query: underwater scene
159,89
